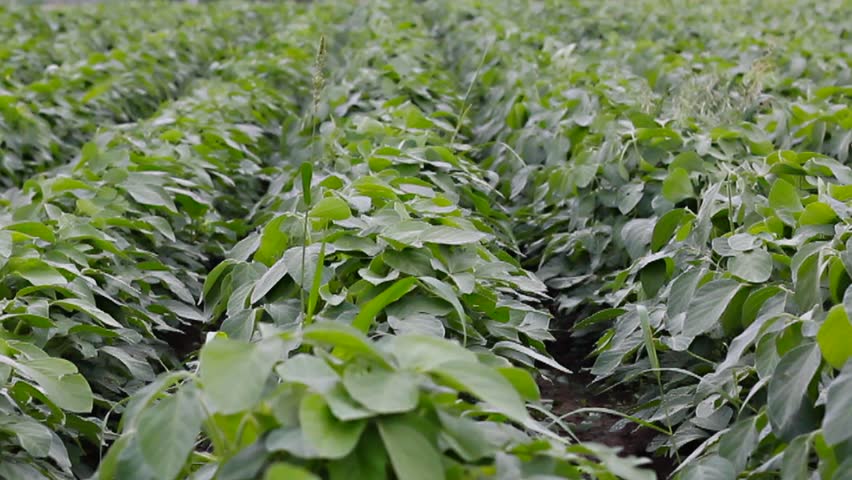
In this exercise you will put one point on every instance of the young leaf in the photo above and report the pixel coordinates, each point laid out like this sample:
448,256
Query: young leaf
331,208
833,337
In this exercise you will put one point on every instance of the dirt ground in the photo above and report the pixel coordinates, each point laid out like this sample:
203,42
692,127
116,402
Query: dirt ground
575,391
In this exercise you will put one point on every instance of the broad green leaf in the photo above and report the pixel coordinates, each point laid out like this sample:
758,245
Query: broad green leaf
783,196
411,453
39,273
285,471
273,241
677,186
465,436
33,229
628,196
58,380
689,161
743,242
109,464
34,320
524,350
78,305
665,227
344,407
790,411
308,370
368,460
70,392
6,247
139,369
706,308
269,279
328,436
290,440
636,236
794,465
167,432
817,213
446,292
450,236
245,465
654,275
407,233
331,208
754,266
806,278
311,254
756,301
382,391
145,395
409,261
20,471
215,275
153,195
417,323
682,291
522,381
837,423
486,384
32,436
234,373
343,337
833,337
711,468
738,443
601,316
424,353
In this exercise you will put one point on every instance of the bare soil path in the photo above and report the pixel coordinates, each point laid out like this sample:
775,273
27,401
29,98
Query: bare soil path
576,391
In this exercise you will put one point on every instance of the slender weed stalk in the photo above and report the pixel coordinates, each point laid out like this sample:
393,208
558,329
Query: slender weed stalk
465,105
307,168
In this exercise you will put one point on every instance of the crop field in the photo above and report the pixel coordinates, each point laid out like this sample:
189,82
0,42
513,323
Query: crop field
424,240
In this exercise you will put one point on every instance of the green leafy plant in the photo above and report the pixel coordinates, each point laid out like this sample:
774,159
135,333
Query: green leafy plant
327,239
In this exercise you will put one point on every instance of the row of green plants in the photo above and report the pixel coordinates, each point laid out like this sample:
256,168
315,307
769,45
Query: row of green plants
44,123
374,325
37,40
298,240
683,189
103,260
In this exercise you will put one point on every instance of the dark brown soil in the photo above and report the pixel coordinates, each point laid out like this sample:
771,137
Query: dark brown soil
576,391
